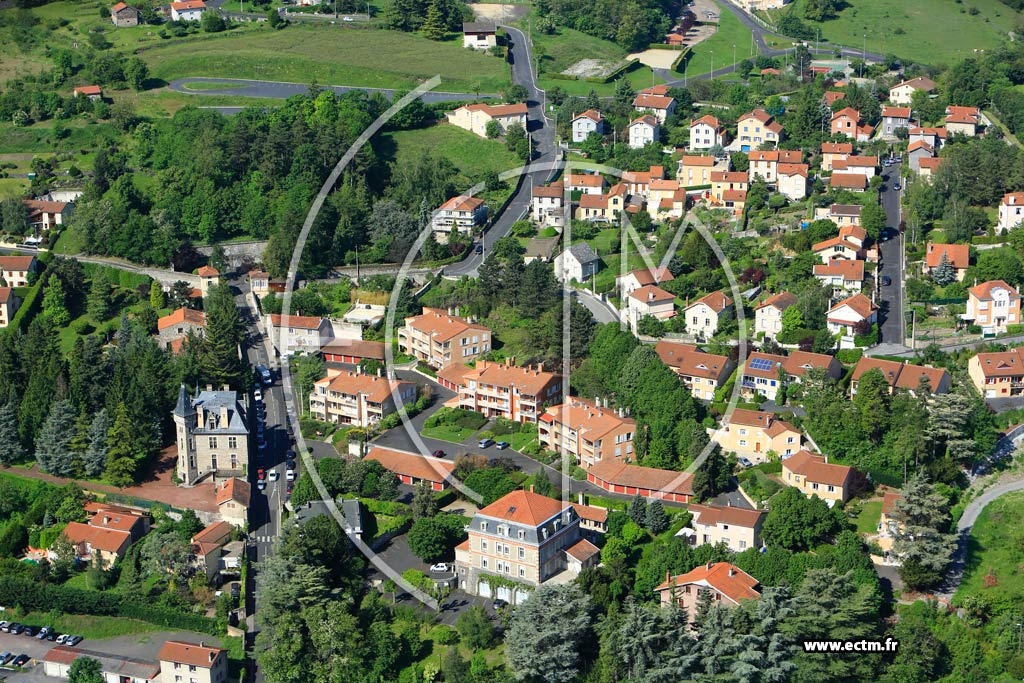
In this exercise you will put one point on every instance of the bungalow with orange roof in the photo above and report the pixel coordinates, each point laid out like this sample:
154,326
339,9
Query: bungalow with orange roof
706,314
438,338
590,121
792,181
93,92
735,527
649,300
853,182
894,118
292,334
768,314
587,431
585,183
834,151
848,122
1011,211
625,479
9,305
726,584
764,374
233,495
519,394
958,255
856,164
660,105
992,306
172,328
757,129
964,120
475,117
841,274
851,317
765,163
696,170
635,279
999,374
707,132
412,468
643,130
16,270
902,376
458,214
814,475
903,92
701,373
356,398
756,434
522,538
124,15
548,205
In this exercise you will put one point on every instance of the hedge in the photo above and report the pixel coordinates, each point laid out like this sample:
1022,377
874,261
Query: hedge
124,279
679,61
663,46
30,306
849,356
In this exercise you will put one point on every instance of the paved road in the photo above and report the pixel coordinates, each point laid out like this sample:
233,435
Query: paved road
603,311
282,90
890,298
541,131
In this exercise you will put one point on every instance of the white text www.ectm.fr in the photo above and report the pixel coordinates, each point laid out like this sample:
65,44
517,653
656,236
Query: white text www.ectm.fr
887,645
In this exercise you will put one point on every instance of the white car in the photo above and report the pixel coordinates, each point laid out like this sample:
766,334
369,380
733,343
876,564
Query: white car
273,475
440,567
290,475
257,395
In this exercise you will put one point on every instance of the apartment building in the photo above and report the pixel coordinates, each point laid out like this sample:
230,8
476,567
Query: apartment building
753,433
438,338
695,169
458,214
357,398
814,475
738,528
503,390
702,373
192,663
727,585
765,374
587,431
212,435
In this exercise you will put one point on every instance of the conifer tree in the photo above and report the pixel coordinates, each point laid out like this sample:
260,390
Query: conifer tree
94,459
11,450
53,445
121,449
433,24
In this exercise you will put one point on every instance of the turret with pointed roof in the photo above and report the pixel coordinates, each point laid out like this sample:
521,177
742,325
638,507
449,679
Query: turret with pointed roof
184,407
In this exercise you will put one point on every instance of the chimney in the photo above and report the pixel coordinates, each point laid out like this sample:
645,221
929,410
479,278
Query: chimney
209,387
531,488
378,372
732,572
223,416
106,519
668,575
710,564
579,498
213,656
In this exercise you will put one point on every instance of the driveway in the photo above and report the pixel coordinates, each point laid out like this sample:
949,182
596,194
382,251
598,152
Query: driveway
282,90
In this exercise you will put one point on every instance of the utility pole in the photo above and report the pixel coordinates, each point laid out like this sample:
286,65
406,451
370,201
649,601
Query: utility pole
712,64
863,55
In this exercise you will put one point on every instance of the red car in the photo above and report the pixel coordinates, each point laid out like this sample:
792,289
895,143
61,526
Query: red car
261,474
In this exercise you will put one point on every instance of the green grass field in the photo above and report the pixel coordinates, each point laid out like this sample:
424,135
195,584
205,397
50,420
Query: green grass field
930,31
451,433
719,48
90,626
995,556
12,187
472,155
335,56
867,518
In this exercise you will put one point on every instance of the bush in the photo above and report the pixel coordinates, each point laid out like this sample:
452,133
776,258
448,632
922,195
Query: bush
849,356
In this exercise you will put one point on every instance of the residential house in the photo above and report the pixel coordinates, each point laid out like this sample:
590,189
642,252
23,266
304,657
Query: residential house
833,151
927,168
667,200
649,300
918,151
768,314
233,495
458,214
134,521
992,306
841,274
93,92
643,130
706,314
593,519
707,132
737,528
936,137
188,10
579,262
214,551
16,270
814,475
702,373
958,255
439,339
756,434
353,351
590,121
521,538
475,117
856,164
519,394
631,480
212,435
726,584
1011,211
850,317
106,538
792,181
9,305
832,96
854,182
660,105
173,328
549,205
848,122
841,214
635,279
765,374
999,374
902,376
199,663
587,431
639,182
259,282
44,215
586,183
901,93
356,398
57,661
894,118
208,276
848,244
963,120
412,468
540,249
695,170
726,181
297,334
605,208
124,16
734,201
757,129
479,35
765,163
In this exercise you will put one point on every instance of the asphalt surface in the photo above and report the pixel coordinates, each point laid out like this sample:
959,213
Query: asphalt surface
890,299
282,90
602,310
541,131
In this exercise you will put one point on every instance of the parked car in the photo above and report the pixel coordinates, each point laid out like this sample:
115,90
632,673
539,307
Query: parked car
44,632
485,443
290,475
261,485
744,462
30,631
290,454
15,628
896,186
261,473
499,603
257,396
73,640
439,453
290,487
21,660
4,656
4,625
502,445
290,465
264,374
273,475
439,567
52,636
479,249
62,638
886,280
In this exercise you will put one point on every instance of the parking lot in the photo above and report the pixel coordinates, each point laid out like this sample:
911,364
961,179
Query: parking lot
22,644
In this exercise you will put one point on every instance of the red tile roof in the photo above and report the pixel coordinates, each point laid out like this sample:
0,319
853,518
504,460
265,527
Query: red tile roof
646,118
903,375
1001,363
233,489
89,90
651,276
100,538
793,169
860,304
647,478
305,322
849,270
697,160
441,326
709,120
6,294
889,499
651,294
781,301
180,316
359,348
816,469
375,389
208,271
711,515
837,148
849,181
690,361
16,263
896,112
647,101
729,177
524,507
727,579
190,654
583,550
553,190
716,301
462,203
591,512
983,291
592,114
918,83
412,465
959,255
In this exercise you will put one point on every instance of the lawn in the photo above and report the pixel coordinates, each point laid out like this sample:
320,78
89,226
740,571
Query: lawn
12,187
732,38
452,433
359,57
930,31
164,103
90,626
520,440
867,518
995,556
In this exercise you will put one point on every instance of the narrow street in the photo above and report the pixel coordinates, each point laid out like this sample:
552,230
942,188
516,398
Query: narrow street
890,297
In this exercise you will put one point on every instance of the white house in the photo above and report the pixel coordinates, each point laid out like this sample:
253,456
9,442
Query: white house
705,314
298,333
902,92
635,279
850,314
792,181
1011,211
649,300
643,131
655,100
189,10
768,314
458,214
548,205
479,35
706,132
841,274
579,262
590,121
475,117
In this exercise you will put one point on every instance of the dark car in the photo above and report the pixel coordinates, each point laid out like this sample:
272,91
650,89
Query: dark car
439,453
52,636
15,628
290,465
479,248
886,280
499,603
896,186
20,660
290,487
30,631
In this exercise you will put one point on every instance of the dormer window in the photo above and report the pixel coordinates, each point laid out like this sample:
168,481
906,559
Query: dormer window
483,526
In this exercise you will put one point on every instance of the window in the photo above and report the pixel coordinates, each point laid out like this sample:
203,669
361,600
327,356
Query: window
213,442
522,534
232,442
831,489
483,545
522,571
743,545
814,486
191,668
483,526
522,553
483,562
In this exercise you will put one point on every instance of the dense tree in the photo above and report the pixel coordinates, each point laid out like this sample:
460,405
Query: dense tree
795,522
123,449
549,634
921,539
431,537
474,626
55,306
11,450
53,445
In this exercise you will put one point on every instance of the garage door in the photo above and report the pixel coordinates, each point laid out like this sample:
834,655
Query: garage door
504,593
483,589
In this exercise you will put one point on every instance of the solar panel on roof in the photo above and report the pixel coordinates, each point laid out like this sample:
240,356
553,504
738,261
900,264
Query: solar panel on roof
761,364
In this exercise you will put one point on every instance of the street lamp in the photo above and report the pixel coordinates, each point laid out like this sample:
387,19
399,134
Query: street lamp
734,53
863,55
712,64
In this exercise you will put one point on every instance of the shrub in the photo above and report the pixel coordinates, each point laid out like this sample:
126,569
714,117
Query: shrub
849,356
